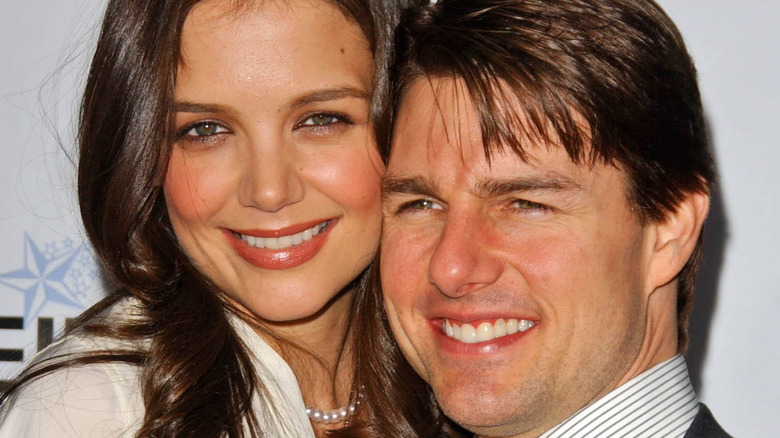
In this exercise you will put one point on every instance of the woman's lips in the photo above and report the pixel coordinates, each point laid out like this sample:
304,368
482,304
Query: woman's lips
283,248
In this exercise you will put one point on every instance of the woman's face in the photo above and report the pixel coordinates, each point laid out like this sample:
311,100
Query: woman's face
273,184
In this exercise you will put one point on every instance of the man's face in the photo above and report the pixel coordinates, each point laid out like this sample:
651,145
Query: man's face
516,289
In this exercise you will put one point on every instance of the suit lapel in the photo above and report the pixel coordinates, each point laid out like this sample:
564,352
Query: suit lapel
705,426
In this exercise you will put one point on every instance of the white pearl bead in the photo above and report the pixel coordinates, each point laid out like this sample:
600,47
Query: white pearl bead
336,415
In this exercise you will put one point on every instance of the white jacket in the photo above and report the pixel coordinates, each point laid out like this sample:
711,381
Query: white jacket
104,400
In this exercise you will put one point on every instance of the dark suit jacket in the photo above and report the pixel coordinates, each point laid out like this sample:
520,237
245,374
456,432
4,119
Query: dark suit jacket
705,426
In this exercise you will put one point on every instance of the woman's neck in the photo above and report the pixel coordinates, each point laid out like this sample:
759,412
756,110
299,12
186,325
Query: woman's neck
323,363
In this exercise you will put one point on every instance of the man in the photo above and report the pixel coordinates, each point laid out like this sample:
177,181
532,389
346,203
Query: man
547,184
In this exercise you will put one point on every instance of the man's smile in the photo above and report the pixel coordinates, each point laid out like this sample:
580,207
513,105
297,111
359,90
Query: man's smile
469,333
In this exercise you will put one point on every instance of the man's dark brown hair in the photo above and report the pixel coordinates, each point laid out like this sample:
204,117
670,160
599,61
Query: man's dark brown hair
609,80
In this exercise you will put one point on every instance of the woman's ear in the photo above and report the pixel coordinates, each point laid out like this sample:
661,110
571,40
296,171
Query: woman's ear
673,240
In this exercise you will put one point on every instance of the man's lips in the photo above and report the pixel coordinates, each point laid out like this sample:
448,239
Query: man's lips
484,330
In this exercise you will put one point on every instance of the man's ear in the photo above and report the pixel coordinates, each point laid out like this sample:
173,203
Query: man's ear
673,240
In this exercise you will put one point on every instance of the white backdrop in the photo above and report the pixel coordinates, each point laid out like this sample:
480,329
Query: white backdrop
47,274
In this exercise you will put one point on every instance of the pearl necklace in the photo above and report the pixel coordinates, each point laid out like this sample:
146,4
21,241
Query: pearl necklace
336,415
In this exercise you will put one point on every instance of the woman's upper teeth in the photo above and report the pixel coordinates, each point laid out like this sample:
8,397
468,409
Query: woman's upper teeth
283,242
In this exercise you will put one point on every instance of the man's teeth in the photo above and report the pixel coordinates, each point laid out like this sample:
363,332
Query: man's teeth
283,242
468,334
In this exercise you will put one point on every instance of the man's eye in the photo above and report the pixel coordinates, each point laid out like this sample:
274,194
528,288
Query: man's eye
529,206
420,204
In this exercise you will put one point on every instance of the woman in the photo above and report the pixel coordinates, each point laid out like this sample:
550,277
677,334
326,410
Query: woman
229,183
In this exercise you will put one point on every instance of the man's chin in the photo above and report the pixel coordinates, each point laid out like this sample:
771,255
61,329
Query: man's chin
497,427
484,412
499,405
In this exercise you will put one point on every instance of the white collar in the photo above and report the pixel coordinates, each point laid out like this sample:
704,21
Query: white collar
281,411
659,402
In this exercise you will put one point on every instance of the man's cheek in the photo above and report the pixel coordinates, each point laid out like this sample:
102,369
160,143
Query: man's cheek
403,328
397,257
399,272
396,287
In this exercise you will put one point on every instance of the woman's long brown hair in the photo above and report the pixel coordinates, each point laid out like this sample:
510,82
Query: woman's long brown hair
197,377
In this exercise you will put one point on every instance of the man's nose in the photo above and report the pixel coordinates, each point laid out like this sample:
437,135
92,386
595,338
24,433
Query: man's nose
462,261
271,179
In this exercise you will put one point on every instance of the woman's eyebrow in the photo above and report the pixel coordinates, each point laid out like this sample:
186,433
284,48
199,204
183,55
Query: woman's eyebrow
322,95
327,94
195,107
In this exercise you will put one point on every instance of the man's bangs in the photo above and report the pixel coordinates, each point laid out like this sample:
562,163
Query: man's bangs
520,93
518,109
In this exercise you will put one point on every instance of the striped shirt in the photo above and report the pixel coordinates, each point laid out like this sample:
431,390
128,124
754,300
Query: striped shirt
659,403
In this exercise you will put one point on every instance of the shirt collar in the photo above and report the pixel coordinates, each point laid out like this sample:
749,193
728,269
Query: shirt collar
659,402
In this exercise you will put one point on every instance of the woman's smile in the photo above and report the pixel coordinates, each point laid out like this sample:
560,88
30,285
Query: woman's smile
283,248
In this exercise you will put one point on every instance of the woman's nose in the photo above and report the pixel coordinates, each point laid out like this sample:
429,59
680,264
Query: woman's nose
272,179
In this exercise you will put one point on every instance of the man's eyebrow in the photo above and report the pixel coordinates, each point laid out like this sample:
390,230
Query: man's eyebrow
326,95
498,187
416,185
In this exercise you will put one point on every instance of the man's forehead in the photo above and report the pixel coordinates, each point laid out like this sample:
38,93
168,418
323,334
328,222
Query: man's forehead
436,110
432,164
436,157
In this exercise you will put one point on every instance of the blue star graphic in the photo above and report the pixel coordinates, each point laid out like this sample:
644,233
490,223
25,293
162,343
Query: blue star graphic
42,280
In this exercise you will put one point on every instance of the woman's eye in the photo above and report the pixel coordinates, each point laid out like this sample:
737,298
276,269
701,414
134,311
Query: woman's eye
323,121
202,129
320,120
